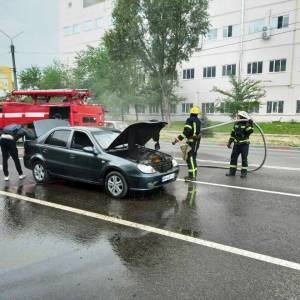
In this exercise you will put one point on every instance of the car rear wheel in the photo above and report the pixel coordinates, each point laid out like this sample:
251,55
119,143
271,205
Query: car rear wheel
116,185
40,173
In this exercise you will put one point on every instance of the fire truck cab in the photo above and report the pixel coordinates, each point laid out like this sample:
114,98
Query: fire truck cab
66,104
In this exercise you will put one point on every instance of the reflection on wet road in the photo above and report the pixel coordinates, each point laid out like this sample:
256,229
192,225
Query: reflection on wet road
50,253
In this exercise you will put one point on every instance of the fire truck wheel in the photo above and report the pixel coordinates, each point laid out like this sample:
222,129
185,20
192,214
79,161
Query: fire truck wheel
40,172
116,185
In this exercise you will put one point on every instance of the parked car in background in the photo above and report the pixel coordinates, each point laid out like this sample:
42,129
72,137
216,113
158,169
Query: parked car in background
119,161
119,125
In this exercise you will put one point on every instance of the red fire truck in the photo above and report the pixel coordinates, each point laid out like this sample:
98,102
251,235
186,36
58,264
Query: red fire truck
66,104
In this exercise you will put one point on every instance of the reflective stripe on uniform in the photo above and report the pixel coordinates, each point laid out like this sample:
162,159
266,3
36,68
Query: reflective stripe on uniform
243,141
233,166
183,135
194,128
188,126
249,128
193,170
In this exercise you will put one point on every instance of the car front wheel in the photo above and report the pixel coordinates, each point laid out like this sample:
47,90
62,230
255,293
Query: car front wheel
39,172
116,185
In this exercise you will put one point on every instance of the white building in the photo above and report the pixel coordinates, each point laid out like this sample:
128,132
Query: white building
255,38
82,24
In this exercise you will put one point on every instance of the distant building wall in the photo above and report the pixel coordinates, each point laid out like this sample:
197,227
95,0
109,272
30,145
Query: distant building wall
259,39
6,80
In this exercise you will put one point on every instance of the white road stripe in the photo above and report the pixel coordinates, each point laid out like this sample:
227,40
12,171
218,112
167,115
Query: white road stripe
253,147
178,236
244,188
226,163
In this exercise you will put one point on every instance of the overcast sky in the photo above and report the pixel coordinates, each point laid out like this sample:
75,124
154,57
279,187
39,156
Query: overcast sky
38,45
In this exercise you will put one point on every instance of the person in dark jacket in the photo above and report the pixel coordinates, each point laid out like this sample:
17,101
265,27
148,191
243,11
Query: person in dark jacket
191,132
240,137
9,136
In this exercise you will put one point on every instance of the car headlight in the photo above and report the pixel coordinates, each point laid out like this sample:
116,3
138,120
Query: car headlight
146,169
174,163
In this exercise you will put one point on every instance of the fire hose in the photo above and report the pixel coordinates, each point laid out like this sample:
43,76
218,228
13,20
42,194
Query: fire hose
261,133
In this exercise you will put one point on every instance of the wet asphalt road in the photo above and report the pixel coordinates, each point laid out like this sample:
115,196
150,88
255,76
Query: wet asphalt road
52,254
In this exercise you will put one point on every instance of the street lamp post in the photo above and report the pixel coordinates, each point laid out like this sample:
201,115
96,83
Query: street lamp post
12,51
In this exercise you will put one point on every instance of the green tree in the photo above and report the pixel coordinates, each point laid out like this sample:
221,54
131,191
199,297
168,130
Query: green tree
113,83
158,35
30,78
245,94
56,76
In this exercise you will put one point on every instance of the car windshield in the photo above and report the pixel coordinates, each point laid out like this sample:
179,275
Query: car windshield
105,138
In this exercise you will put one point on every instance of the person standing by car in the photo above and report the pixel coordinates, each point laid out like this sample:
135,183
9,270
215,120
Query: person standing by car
240,137
191,131
9,136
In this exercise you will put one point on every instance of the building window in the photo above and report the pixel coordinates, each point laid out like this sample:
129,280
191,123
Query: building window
186,107
76,29
253,108
298,107
256,26
225,108
275,107
67,30
212,35
153,108
209,72
87,3
88,25
173,108
230,31
280,22
188,74
277,65
228,70
208,108
98,23
255,67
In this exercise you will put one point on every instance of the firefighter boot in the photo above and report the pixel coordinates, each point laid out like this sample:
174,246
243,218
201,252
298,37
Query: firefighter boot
243,173
231,172
189,178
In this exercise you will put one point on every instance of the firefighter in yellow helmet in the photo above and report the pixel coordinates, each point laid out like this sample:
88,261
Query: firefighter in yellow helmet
191,132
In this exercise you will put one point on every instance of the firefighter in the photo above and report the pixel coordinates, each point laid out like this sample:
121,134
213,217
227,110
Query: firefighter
9,136
240,137
191,132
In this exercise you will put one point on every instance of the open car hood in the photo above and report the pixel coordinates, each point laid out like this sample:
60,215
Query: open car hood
138,134
43,126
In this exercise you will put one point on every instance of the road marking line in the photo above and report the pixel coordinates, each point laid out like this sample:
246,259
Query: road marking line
250,165
244,188
163,232
253,148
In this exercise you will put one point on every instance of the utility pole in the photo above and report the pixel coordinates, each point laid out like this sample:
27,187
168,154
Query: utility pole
12,51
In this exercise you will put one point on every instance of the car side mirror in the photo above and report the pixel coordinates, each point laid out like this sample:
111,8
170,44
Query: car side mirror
89,149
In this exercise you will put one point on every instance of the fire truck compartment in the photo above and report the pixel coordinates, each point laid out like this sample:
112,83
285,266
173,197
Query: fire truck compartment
59,112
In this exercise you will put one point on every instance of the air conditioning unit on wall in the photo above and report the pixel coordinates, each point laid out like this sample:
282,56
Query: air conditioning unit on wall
266,33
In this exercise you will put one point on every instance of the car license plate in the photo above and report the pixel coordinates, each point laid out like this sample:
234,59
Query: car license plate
168,177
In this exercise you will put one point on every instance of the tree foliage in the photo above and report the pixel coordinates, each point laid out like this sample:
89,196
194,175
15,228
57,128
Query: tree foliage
245,94
157,35
54,76
30,78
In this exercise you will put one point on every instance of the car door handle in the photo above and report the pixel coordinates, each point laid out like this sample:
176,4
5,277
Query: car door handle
72,156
